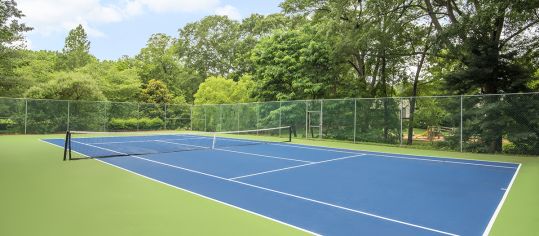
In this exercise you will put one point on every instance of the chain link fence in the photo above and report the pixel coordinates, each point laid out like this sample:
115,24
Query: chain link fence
507,123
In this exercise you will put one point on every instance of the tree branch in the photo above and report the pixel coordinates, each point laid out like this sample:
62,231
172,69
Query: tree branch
519,31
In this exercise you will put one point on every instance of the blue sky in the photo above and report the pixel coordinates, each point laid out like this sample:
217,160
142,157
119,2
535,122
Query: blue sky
121,27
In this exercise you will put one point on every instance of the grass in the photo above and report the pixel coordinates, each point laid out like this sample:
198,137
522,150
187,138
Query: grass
42,195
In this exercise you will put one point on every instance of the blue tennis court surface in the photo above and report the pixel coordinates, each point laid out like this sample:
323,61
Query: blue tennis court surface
322,190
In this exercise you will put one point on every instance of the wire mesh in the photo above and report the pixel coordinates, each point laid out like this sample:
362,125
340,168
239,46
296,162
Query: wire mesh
507,123
178,117
12,115
46,116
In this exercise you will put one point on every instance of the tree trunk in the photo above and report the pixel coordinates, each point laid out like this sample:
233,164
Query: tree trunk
384,91
414,93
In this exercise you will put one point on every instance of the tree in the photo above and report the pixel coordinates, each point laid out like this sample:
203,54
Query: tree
209,45
117,83
76,51
28,69
370,40
251,30
159,61
10,37
492,43
218,90
156,91
292,65
67,86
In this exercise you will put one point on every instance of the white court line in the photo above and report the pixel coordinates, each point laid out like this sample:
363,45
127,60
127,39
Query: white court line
293,167
284,193
189,191
261,155
313,148
140,135
499,208
287,194
443,161
247,153
411,158
149,140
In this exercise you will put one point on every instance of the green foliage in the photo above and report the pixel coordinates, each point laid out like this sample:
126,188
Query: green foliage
208,46
76,51
11,31
159,61
156,92
136,124
117,83
218,90
6,124
67,86
292,65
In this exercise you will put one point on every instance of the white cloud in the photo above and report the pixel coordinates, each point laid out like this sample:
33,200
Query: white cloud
49,17
53,16
179,5
230,11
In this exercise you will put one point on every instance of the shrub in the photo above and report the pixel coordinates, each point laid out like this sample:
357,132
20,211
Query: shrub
134,124
6,124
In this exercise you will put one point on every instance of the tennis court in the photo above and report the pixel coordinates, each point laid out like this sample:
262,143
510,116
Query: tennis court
320,190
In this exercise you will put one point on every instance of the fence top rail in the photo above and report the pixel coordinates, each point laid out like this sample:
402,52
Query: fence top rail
286,101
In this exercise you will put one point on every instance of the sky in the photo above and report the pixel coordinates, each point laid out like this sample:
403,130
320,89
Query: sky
122,27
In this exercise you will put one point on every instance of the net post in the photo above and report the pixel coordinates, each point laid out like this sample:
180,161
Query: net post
69,145
65,145
289,133
68,112
213,141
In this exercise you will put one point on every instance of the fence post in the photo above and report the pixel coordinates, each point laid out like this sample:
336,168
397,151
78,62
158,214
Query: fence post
321,119
306,119
106,117
165,116
205,122
220,125
257,116
355,118
461,124
138,116
238,111
280,120
191,116
400,105
68,112
25,114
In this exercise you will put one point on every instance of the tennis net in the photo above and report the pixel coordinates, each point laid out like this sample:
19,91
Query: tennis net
114,144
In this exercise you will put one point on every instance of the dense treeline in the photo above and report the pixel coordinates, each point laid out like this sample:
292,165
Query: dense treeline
312,49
